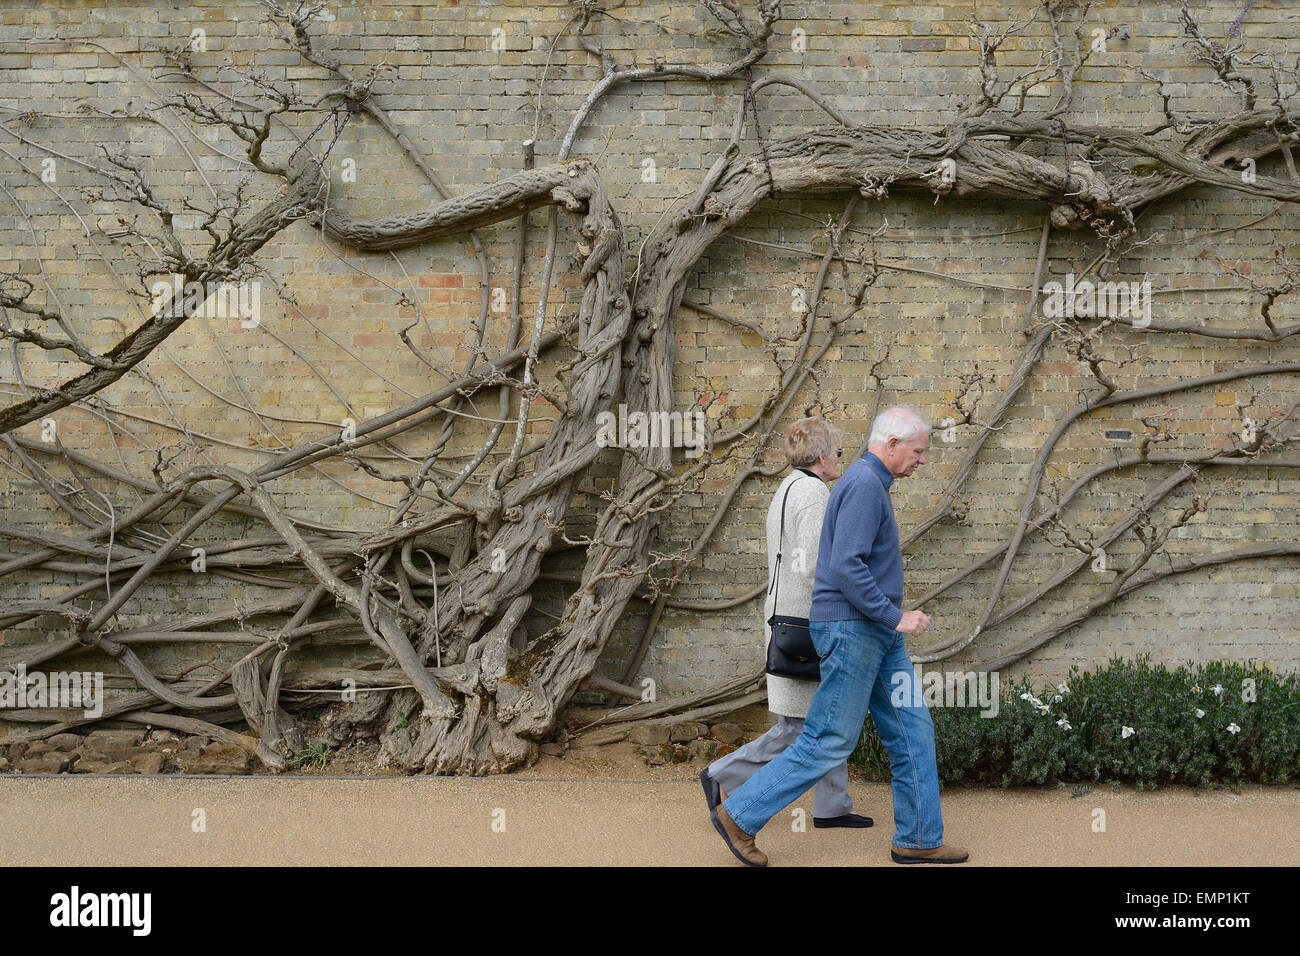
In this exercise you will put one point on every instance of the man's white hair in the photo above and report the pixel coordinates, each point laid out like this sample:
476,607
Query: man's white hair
902,421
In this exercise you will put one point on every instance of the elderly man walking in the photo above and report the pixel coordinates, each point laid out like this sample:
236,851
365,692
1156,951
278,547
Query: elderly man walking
811,447
857,626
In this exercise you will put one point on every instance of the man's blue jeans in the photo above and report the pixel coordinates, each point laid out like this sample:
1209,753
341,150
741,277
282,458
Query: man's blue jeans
863,663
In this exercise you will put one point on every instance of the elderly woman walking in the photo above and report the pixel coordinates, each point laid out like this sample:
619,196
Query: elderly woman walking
812,448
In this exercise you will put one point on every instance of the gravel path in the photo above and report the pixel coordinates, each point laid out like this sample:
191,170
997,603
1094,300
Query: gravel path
531,819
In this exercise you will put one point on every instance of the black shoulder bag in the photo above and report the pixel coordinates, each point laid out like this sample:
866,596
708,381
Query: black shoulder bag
790,652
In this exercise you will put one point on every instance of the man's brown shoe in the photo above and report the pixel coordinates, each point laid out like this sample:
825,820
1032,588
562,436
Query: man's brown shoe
738,841
940,854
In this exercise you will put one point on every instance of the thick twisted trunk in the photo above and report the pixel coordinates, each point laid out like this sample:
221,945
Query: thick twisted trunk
473,627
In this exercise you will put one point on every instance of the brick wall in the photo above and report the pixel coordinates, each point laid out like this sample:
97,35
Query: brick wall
77,76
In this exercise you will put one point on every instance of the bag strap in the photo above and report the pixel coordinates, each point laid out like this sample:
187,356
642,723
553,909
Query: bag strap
780,541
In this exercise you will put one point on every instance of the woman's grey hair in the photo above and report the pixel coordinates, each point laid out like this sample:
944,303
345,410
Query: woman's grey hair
809,439
902,421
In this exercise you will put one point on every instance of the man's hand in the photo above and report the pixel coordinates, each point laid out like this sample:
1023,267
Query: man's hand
913,623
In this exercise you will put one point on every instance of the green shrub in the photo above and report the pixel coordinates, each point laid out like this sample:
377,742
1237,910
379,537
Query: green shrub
1076,731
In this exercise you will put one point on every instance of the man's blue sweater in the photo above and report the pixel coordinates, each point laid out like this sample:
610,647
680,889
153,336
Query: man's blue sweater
859,563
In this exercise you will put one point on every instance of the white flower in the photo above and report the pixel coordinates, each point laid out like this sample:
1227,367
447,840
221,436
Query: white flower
1196,688
1025,696
1199,713
1218,690
1062,688
1126,732
1055,698
1233,728
1063,724
1042,708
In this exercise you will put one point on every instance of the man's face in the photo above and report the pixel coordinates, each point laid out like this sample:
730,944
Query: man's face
904,457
